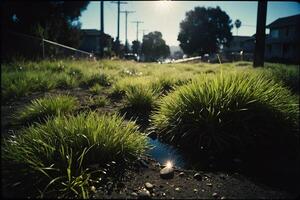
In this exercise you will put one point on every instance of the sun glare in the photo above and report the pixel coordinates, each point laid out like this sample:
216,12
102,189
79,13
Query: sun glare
163,5
169,164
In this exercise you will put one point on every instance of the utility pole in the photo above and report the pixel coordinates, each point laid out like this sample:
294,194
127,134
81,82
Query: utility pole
260,34
137,28
119,2
143,32
102,28
126,13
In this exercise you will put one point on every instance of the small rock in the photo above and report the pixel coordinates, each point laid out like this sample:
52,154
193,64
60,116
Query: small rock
144,194
195,190
198,176
134,194
209,184
149,186
222,197
163,194
167,173
93,189
215,194
181,174
177,189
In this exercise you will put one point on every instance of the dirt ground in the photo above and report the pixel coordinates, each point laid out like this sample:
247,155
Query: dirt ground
214,184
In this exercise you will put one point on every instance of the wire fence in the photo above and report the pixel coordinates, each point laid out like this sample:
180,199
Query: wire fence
19,45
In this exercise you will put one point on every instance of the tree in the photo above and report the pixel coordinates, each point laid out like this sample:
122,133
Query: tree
237,24
53,20
204,30
135,46
154,47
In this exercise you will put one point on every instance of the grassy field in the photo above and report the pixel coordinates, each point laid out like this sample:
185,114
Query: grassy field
99,112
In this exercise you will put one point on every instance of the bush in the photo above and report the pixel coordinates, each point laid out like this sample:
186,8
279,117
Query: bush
232,112
40,109
56,155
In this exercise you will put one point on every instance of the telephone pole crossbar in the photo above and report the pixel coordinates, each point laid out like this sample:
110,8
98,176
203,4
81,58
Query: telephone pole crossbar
119,2
137,28
126,13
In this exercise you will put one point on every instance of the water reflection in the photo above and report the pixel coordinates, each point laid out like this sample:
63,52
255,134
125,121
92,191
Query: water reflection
165,153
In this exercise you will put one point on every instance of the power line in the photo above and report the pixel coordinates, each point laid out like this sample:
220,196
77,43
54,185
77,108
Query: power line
144,31
119,2
126,13
137,28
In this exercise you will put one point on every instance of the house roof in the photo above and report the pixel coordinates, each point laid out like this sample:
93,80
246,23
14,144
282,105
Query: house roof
285,21
240,38
91,32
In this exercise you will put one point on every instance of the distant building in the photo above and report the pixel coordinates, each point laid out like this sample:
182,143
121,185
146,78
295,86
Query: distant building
283,43
240,48
90,41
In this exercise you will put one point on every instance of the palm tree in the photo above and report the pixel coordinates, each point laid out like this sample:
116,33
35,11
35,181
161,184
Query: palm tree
237,24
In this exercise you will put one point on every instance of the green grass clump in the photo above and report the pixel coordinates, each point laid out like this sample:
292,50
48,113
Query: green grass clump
287,74
54,156
96,89
139,97
221,113
40,109
98,101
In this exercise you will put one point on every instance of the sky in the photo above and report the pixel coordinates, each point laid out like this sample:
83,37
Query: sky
165,16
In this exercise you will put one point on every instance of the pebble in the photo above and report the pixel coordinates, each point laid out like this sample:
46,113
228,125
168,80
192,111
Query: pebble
209,184
181,174
215,194
134,194
163,194
177,189
198,176
195,190
167,173
93,189
149,186
144,194
222,197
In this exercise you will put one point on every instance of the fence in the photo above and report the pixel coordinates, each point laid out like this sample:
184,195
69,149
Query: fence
29,47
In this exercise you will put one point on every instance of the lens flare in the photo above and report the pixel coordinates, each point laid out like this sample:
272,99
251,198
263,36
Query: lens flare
169,164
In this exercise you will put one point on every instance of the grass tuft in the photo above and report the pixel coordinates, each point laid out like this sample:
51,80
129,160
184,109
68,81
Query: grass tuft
43,108
59,152
228,112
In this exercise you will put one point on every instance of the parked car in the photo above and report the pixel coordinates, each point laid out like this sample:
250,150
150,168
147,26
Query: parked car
131,56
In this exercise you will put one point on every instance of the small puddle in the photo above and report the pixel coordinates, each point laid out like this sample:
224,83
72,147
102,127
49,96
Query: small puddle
164,152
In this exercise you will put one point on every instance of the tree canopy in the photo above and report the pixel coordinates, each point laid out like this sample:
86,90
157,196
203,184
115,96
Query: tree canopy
135,46
204,30
54,20
154,47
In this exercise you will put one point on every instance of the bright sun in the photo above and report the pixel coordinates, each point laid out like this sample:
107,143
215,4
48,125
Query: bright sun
163,5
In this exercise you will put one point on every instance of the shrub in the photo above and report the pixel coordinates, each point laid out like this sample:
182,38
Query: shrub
59,152
220,113
40,109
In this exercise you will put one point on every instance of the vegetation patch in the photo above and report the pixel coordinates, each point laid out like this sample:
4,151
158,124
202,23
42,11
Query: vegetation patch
56,157
228,112
43,108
